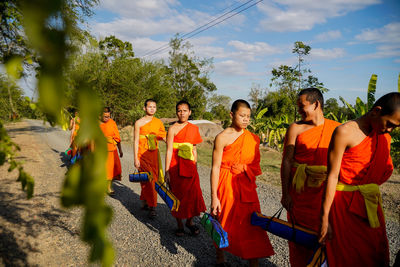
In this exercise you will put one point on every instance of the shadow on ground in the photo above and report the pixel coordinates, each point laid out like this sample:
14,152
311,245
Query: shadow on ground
201,246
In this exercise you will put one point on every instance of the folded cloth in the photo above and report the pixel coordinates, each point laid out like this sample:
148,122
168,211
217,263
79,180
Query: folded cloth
170,199
140,177
286,230
215,230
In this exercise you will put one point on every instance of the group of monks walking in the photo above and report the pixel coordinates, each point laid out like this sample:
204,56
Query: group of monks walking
330,176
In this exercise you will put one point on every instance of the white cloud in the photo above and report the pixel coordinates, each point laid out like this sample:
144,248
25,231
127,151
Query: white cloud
328,36
387,38
139,8
252,51
300,15
390,33
231,67
326,54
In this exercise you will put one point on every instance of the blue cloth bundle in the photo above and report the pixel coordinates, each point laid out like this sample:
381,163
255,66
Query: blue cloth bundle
139,177
169,198
286,230
214,229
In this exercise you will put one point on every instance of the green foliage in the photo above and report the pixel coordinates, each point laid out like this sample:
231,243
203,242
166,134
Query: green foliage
371,91
271,131
395,147
219,105
123,83
8,151
50,26
189,76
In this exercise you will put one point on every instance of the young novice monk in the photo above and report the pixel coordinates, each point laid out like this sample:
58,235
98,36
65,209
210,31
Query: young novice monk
358,162
236,163
303,170
148,130
110,131
181,169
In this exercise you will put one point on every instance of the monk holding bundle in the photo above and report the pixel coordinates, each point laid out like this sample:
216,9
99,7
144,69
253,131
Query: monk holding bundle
110,131
236,163
303,170
358,162
74,127
181,169
148,130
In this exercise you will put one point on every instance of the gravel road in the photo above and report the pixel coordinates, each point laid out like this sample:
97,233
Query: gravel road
39,232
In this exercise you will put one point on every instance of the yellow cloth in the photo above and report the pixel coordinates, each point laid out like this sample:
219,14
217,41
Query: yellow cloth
316,176
151,140
372,197
185,150
111,140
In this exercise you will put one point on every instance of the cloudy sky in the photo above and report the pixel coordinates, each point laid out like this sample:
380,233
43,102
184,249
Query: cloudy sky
350,39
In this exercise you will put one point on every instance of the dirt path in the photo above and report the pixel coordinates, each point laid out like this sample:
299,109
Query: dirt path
38,232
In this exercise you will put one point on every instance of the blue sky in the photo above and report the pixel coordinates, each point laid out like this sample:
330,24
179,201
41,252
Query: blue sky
350,39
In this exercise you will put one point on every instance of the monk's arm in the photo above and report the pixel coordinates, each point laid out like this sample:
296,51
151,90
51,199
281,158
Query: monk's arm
336,149
168,154
195,153
121,154
215,170
136,145
287,162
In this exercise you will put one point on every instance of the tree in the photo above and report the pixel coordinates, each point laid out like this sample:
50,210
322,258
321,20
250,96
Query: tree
256,94
301,50
189,76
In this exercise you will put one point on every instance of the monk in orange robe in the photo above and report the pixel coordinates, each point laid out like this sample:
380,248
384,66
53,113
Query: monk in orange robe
303,170
74,126
236,163
181,170
113,165
352,223
148,130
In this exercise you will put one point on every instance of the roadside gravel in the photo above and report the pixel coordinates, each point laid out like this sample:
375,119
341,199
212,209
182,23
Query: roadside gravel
39,232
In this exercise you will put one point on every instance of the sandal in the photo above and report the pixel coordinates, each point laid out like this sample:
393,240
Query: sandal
152,213
179,232
194,229
145,207
111,193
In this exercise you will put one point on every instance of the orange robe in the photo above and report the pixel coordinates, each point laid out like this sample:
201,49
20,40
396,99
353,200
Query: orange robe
311,148
113,165
238,197
149,159
355,242
184,178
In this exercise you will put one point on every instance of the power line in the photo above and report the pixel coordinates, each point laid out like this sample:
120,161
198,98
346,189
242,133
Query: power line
162,48
197,30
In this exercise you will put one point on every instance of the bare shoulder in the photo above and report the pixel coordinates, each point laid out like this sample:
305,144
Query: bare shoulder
347,128
222,139
140,122
295,129
173,128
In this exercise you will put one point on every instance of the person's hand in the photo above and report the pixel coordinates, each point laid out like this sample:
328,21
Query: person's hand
325,232
287,202
137,164
215,206
167,178
121,154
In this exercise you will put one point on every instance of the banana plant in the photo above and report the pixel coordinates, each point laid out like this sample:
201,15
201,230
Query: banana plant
360,107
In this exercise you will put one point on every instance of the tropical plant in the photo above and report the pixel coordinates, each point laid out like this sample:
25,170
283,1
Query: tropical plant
360,107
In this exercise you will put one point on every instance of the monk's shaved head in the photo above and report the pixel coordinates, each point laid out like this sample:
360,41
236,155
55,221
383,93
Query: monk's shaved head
239,103
107,110
149,100
313,95
389,103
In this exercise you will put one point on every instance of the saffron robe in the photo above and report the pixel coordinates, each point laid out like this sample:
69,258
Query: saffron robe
355,242
184,178
238,197
113,165
149,159
311,148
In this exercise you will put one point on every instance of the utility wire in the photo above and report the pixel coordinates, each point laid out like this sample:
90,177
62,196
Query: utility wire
162,48
202,29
